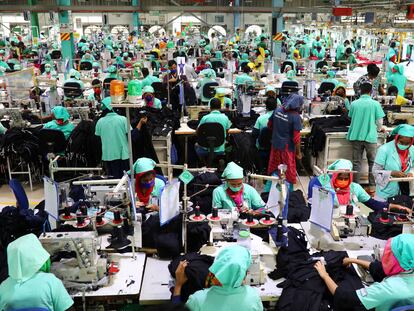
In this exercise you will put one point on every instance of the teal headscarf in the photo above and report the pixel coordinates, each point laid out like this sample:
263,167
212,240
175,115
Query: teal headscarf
75,74
341,164
404,130
107,103
61,113
144,165
402,247
232,171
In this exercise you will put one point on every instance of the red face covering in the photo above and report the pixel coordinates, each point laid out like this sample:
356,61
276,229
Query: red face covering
237,197
343,192
144,198
60,121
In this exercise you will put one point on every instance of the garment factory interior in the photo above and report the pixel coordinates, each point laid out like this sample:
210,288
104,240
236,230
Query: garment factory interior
206,155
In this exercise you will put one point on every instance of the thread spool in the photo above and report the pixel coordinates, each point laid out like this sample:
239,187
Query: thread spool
84,210
249,218
79,219
99,219
279,234
349,210
215,212
117,217
267,217
384,216
197,211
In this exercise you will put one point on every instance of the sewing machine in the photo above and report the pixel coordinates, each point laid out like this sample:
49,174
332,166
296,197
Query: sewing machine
346,223
256,274
223,228
14,115
406,114
386,100
86,266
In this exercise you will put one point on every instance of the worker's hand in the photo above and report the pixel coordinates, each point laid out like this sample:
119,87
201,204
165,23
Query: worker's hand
299,155
347,262
410,175
153,208
139,204
400,208
180,276
141,122
383,130
320,267
398,174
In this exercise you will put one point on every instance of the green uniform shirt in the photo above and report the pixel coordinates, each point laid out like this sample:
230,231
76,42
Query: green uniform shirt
113,130
261,123
215,298
387,156
2,129
250,195
149,80
364,113
392,292
217,117
43,290
66,128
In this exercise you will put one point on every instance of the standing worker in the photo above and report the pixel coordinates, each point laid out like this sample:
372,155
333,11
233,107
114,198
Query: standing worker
113,129
366,118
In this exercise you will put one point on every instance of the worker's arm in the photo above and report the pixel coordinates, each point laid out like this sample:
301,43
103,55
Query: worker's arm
362,263
180,280
332,286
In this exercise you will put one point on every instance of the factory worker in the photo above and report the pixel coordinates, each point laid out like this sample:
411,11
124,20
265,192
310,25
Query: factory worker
96,69
75,76
119,62
291,75
244,60
398,79
234,194
61,121
49,72
243,78
331,78
372,77
215,116
340,50
394,159
296,54
225,282
47,60
394,278
270,91
149,98
317,42
2,60
149,79
346,191
286,124
226,103
347,58
399,100
87,57
112,72
208,78
208,70
259,61
113,129
30,284
97,90
147,185
319,52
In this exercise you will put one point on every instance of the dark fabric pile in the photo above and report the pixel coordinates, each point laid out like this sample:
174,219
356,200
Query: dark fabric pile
321,126
15,223
245,123
21,142
244,152
304,289
160,122
196,272
84,148
204,199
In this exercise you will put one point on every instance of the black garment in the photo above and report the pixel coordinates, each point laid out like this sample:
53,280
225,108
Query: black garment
244,152
377,271
321,126
298,209
116,168
381,230
347,300
84,148
196,272
203,199
21,142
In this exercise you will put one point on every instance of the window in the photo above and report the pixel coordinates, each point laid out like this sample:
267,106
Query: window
219,19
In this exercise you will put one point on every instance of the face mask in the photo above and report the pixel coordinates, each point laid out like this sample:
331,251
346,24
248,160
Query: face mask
341,183
403,147
149,98
173,70
47,69
60,121
148,185
235,189
97,91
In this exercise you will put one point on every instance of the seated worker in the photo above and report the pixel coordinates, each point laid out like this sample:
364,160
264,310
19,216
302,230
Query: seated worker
30,284
234,194
208,70
147,185
137,70
215,116
49,72
208,78
331,78
226,103
149,98
225,284
97,90
394,159
394,279
319,52
87,57
242,79
291,75
148,78
398,79
346,191
61,121
345,59
399,100
2,60
340,92
96,69
112,72
75,76
119,62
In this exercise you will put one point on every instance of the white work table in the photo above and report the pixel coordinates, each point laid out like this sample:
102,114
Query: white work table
126,282
155,285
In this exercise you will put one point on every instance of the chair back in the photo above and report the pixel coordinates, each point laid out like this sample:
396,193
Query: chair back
210,135
208,91
52,141
56,54
85,66
326,87
72,90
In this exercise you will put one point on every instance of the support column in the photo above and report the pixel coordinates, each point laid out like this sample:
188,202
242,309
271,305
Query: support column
236,15
34,24
68,47
277,26
135,16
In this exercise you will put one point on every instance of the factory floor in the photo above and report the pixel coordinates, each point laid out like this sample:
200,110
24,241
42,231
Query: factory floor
35,196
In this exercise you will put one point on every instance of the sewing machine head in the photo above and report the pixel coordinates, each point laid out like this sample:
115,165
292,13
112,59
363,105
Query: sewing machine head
386,100
406,114
84,264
